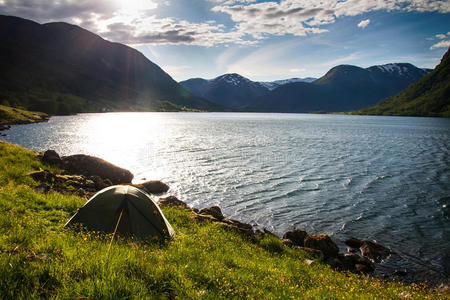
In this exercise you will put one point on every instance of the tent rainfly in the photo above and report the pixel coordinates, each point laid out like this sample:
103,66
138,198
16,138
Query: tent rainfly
125,210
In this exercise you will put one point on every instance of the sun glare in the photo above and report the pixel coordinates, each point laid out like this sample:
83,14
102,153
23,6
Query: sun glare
133,7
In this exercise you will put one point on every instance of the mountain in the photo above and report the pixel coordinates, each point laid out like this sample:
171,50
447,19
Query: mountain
428,97
231,90
271,85
62,68
343,88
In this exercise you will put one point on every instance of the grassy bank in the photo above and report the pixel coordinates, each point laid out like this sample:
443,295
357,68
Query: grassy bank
10,115
38,258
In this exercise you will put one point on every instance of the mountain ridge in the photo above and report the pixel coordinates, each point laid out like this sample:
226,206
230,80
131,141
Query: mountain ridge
429,97
62,68
230,89
342,88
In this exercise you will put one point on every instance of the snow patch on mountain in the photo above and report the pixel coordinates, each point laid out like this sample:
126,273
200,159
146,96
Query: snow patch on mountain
271,85
233,79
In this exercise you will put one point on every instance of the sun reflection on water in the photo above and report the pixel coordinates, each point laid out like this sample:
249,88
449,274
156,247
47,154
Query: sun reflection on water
119,138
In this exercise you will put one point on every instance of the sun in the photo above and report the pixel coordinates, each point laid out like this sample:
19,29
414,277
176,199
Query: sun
134,7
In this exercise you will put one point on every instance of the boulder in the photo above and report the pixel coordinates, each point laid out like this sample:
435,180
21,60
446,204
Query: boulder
374,251
42,188
42,176
287,243
323,243
153,187
213,211
359,268
52,158
99,183
247,232
335,263
201,218
353,242
312,252
172,201
350,260
237,224
89,166
297,236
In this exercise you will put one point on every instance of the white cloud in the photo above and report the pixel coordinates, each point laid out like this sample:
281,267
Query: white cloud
295,70
175,71
441,44
441,36
364,23
345,59
267,61
135,22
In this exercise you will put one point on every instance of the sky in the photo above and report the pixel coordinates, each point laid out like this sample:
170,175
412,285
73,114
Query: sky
263,40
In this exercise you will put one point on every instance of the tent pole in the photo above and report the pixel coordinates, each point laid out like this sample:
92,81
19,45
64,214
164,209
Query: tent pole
115,229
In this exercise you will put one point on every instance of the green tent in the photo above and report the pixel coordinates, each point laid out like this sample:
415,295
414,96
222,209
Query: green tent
125,210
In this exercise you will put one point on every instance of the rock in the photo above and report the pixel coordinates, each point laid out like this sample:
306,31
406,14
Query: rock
213,211
266,231
173,201
81,192
202,218
98,182
359,268
297,236
89,165
153,187
52,158
323,243
312,252
335,263
374,251
107,182
42,188
287,243
247,232
237,224
310,262
353,242
42,176
350,260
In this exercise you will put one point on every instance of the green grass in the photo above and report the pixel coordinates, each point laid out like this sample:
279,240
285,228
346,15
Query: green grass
41,259
10,115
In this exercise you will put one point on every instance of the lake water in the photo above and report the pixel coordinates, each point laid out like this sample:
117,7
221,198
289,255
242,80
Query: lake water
379,178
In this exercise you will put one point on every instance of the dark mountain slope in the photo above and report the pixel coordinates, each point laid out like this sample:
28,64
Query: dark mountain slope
430,96
58,67
343,88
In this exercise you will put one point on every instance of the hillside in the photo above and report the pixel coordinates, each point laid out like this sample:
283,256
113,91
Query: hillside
343,88
41,259
10,115
60,68
429,97
231,90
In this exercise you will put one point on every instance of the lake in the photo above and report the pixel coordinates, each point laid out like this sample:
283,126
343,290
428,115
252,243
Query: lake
379,178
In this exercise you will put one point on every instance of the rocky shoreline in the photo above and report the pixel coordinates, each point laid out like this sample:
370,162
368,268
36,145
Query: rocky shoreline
85,175
35,118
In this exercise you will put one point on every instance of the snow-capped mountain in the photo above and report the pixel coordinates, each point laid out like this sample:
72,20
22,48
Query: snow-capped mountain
399,70
231,90
342,88
271,85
